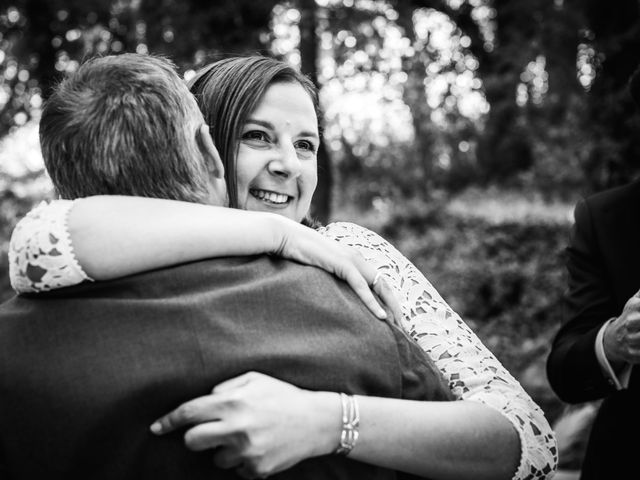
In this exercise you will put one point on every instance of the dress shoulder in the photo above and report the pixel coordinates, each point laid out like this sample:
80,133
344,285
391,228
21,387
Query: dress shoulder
41,254
470,369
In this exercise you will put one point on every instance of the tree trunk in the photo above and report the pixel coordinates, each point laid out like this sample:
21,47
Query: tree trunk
321,206
613,117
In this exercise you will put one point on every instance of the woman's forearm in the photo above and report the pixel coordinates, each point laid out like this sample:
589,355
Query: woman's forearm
114,236
444,440
106,237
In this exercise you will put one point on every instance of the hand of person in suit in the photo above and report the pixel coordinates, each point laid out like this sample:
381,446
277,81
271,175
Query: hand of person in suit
257,424
622,335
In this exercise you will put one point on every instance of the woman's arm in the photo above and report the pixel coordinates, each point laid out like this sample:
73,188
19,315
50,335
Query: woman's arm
467,365
495,430
281,425
106,237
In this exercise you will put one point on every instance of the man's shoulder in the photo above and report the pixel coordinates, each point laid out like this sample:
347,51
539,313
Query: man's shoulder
617,197
273,280
197,275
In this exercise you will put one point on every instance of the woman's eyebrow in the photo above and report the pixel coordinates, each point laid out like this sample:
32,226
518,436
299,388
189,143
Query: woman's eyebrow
310,134
262,123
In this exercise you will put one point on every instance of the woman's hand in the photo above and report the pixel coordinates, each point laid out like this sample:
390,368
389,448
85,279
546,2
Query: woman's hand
305,245
258,425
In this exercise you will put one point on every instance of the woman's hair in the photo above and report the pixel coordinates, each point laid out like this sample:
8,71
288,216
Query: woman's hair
228,91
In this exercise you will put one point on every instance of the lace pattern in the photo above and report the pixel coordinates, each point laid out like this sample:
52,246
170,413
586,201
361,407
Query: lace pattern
41,256
473,373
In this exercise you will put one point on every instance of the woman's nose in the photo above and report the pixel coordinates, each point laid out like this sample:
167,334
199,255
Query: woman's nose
286,164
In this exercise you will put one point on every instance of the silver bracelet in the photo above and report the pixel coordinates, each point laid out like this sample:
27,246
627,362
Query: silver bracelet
350,424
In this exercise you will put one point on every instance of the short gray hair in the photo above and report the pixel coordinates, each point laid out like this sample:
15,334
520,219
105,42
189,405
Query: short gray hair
124,124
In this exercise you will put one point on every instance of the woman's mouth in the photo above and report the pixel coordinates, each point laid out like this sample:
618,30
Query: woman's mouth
269,197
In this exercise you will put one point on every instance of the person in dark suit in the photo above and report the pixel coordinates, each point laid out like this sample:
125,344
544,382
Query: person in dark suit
85,370
595,350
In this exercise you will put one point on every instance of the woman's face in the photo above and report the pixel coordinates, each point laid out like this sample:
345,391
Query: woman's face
276,162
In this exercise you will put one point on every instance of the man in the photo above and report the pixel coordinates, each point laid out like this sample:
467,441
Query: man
594,352
84,371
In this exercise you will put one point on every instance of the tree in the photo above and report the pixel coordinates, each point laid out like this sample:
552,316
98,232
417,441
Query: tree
321,207
41,39
612,121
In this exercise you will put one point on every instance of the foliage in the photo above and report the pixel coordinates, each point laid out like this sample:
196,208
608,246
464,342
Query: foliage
496,257
548,78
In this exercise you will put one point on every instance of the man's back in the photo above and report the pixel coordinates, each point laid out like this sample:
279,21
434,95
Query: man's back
84,371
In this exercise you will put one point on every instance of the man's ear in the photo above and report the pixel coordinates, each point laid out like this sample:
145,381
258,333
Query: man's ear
209,151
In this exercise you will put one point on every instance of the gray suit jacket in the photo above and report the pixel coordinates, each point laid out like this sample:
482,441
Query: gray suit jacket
85,370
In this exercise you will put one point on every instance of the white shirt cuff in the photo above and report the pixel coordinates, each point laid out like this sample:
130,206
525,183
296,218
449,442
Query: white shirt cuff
620,381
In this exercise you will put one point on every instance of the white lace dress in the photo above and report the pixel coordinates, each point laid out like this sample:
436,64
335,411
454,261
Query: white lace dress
41,258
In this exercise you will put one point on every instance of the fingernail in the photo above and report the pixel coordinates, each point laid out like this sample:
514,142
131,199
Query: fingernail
156,428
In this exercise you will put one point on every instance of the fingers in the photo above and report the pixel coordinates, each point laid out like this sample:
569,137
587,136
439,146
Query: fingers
236,382
356,278
343,261
388,296
227,458
249,471
359,285
362,277
232,449
633,303
207,408
630,317
202,409
622,336
206,436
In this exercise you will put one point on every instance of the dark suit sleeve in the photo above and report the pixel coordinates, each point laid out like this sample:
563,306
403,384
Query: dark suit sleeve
4,473
572,367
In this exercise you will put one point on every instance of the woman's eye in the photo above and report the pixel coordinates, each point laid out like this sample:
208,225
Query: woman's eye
255,136
306,146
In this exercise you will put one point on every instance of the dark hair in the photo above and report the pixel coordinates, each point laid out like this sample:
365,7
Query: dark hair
228,91
124,124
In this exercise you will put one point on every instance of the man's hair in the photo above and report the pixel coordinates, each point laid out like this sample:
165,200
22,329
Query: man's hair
228,91
124,124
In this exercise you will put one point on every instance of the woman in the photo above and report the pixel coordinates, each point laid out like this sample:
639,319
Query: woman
263,117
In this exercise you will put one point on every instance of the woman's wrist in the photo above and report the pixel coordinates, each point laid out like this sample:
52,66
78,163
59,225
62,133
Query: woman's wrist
326,414
280,232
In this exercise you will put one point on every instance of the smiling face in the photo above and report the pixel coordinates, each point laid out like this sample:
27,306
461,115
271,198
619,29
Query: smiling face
276,161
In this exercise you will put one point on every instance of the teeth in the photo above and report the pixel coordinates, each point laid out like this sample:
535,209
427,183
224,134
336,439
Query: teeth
270,196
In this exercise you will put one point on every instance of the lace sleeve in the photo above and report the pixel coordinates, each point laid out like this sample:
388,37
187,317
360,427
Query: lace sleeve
41,255
472,372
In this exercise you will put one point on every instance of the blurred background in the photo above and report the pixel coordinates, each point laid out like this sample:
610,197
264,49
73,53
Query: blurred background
463,131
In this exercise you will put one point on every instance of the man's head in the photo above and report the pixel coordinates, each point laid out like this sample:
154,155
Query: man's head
127,125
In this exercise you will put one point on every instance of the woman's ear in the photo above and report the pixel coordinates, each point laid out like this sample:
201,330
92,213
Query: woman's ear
209,151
